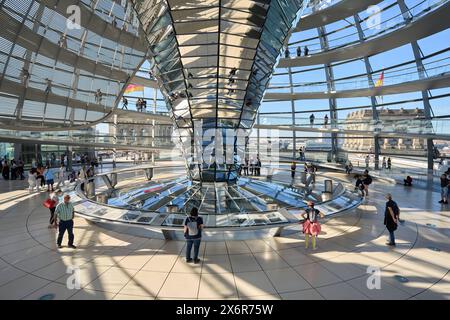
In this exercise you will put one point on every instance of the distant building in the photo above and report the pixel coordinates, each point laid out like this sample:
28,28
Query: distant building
390,120
141,134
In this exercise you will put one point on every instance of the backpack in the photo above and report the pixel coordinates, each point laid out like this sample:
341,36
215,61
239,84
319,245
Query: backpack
192,226
396,209
369,180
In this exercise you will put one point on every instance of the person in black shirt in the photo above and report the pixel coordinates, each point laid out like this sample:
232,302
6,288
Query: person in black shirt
124,103
444,189
246,164
408,181
293,168
359,186
193,226
367,181
311,119
258,166
391,214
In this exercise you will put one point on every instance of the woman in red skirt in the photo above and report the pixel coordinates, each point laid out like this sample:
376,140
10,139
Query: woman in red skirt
311,226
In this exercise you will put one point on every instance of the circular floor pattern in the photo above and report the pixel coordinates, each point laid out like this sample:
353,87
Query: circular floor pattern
115,266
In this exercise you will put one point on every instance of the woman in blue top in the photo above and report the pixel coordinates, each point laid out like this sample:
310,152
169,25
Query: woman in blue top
49,179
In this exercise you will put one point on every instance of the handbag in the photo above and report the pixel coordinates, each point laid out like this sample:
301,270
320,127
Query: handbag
49,203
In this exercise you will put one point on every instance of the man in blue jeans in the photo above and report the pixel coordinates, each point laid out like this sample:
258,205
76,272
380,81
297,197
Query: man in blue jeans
193,226
65,213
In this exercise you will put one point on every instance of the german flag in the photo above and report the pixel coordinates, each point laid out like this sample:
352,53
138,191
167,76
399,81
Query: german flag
380,81
134,88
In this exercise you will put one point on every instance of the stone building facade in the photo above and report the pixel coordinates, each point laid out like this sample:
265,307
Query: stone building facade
390,120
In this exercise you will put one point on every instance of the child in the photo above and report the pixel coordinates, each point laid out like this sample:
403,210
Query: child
311,226
32,181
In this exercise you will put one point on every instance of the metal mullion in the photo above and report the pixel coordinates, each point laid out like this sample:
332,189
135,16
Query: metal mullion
426,102
76,73
373,100
217,92
14,43
27,62
331,87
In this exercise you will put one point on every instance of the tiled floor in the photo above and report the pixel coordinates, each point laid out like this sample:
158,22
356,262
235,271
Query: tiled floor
117,266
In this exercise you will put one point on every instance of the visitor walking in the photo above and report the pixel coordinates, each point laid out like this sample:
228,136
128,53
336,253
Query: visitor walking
293,168
124,103
138,105
252,166
48,89
306,51
383,164
367,181
5,170
193,226
312,169
13,170
40,177
98,96
389,164
258,166
32,180
302,154
325,120
49,179
311,226
391,214
64,215
311,119
444,189
348,167
299,51
367,160
359,185
61,178
144,105
287,53
82,175
246,164
51,204
21,169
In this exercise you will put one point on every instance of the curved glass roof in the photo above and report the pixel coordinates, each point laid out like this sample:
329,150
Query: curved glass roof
52,70
369,55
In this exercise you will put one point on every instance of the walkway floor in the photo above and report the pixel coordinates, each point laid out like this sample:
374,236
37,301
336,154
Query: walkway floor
116,266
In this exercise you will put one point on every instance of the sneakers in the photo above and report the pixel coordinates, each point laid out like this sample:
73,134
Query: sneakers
72,246
189,260
196,261
390,244
59,246
441,201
